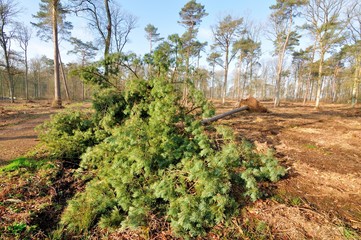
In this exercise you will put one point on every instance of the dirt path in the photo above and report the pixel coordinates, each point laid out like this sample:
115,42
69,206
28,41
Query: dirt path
17,123
320,198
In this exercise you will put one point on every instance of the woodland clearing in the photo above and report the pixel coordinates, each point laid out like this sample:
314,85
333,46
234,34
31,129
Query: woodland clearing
318,199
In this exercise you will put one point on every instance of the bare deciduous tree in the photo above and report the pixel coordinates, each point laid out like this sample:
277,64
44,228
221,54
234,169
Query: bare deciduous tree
51,22
123,24
8,13
112,24
24,36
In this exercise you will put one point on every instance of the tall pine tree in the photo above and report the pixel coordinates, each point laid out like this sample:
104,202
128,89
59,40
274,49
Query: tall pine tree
226,34
51,21
191,16
285,37
325,26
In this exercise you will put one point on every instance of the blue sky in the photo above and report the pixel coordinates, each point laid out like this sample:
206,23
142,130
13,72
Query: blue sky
163,14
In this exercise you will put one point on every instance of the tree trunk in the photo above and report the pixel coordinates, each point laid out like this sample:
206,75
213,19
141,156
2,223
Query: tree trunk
239,96
354,93
280,64
306,92
236,85
11,85
334,91
302,87
1,86
277,93
212,84
279,76
109,34
8,68
297,86
10,77
244,81
310,97
355,84
250,89
226,63
264,88
26,75
57,94
38,86
186,79
357,92
319,80
64,78
215,118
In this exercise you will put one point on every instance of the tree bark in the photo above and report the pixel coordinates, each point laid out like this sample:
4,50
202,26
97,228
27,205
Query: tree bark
57,94
64,78
306,91
215,118
26,75
11,85
319,80
226,62
212,84
244,81
109,34
239,96
355,84
281,56
4,45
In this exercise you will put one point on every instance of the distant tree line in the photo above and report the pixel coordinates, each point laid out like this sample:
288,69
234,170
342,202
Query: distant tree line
327,69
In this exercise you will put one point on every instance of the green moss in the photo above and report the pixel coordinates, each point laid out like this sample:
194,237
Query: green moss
27,163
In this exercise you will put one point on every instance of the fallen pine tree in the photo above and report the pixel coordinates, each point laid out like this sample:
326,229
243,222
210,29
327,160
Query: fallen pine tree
217,117
144,153
249,103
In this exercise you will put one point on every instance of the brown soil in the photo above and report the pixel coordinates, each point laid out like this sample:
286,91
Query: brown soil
320,196
32,197
17,123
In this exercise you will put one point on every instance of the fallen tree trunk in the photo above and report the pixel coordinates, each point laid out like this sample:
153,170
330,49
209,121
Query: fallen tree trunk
215,118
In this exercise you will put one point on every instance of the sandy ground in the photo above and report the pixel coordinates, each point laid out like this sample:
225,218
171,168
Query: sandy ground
17,123
322,150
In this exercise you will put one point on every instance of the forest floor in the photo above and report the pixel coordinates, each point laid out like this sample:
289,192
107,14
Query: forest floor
318,199
17,123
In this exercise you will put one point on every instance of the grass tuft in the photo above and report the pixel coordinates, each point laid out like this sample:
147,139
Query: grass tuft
22,162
